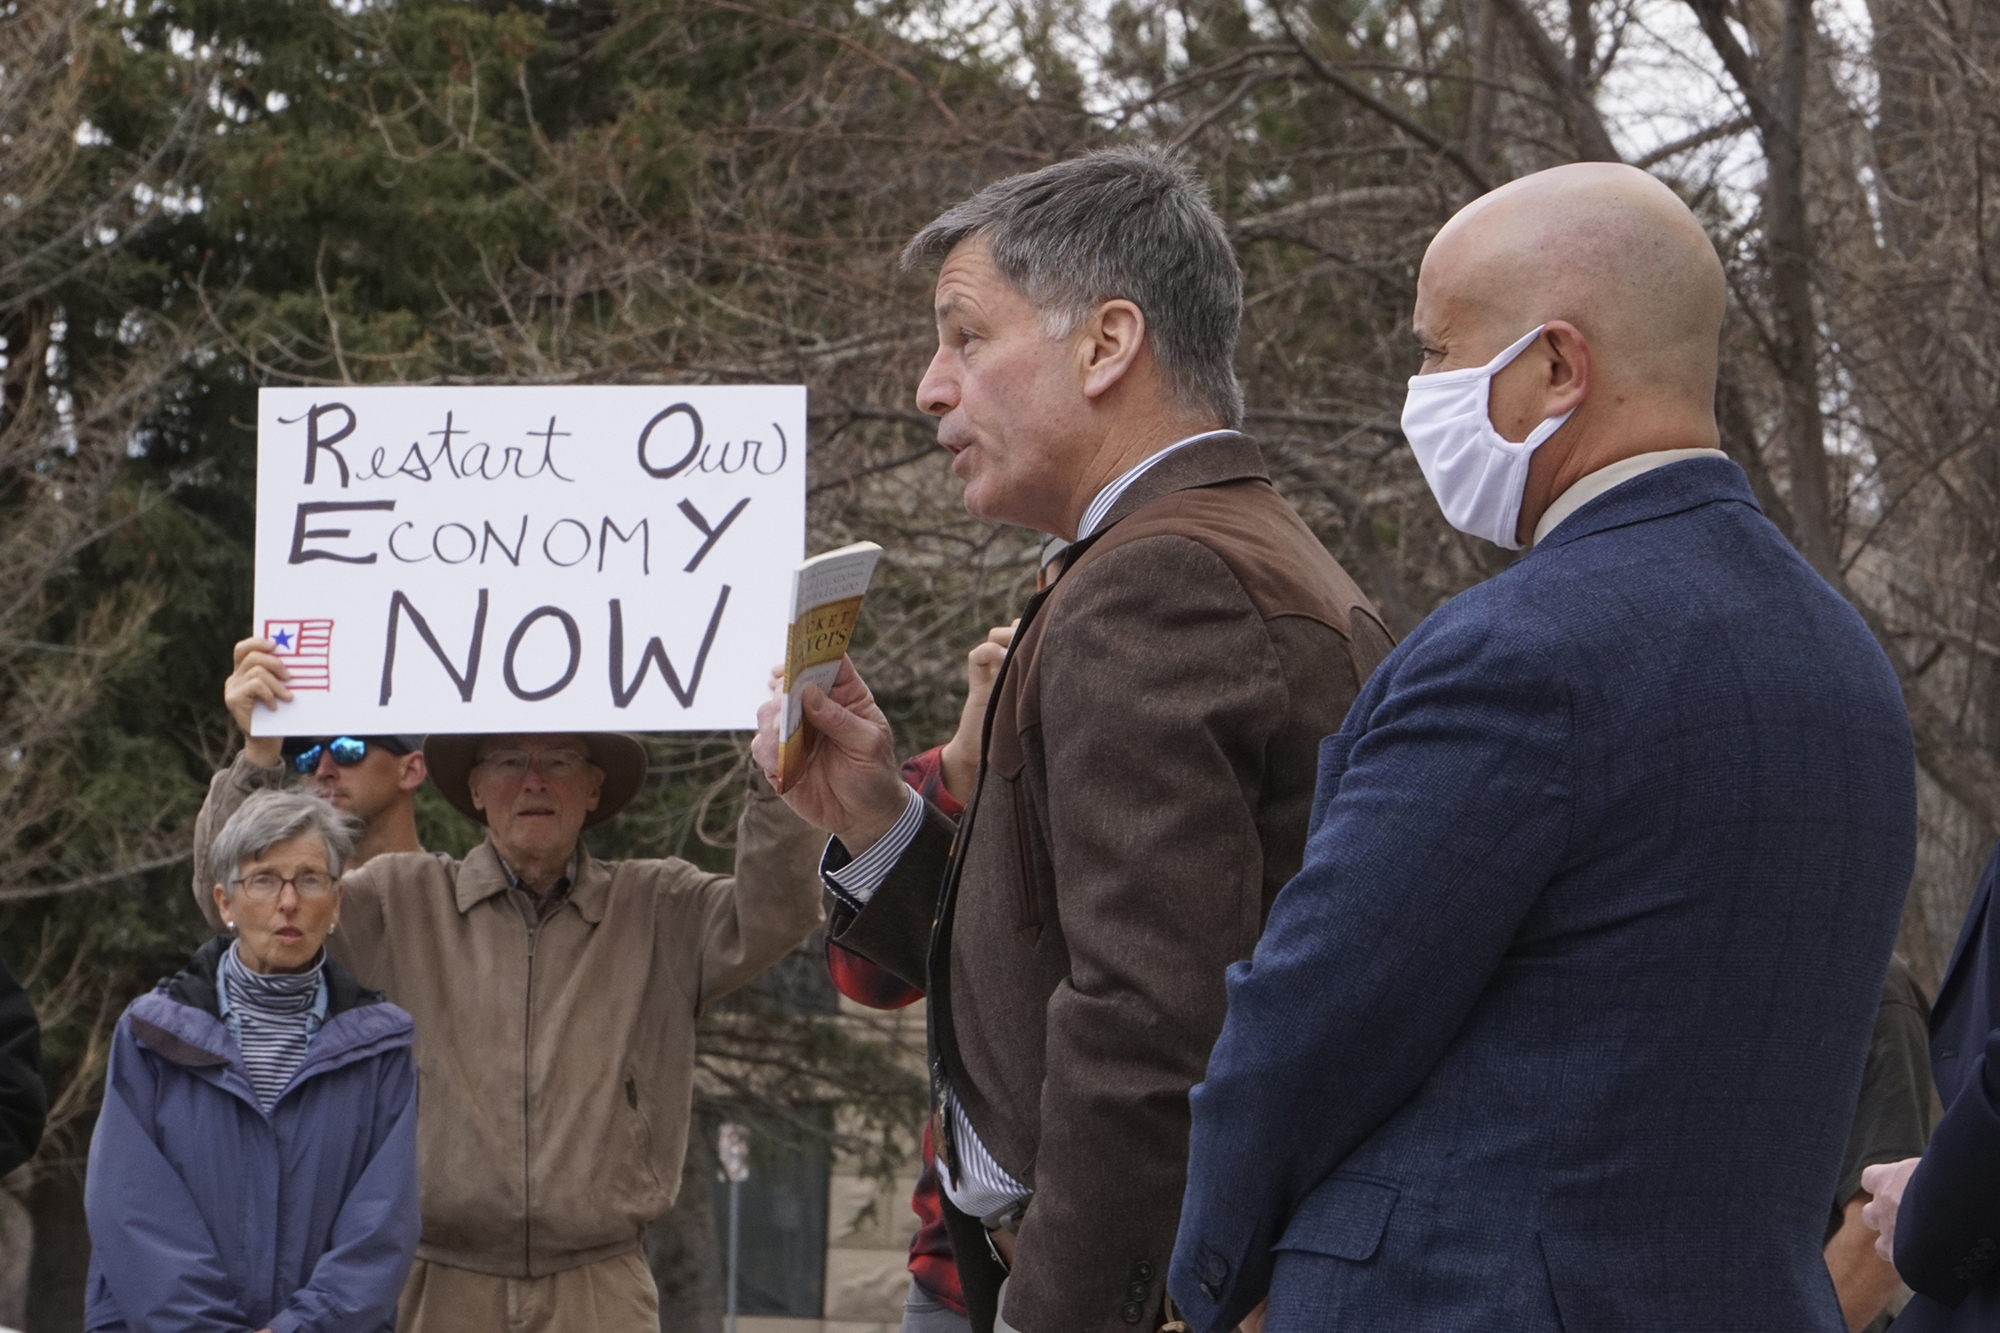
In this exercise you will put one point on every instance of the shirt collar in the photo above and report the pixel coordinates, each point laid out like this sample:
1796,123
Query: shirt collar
556,890
1094,513
321,995
1588,488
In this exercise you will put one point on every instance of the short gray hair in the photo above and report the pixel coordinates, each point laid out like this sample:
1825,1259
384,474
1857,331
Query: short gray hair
1120,223
268,818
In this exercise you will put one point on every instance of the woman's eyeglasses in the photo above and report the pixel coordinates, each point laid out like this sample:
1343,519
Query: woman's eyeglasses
264,887
347,751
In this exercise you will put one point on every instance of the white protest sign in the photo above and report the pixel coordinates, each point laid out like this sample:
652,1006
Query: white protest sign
527,559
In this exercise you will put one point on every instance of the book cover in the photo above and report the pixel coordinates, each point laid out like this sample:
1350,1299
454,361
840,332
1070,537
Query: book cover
826,601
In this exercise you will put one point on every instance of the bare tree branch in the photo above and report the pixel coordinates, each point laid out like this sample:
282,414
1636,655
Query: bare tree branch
1428,138
1593,141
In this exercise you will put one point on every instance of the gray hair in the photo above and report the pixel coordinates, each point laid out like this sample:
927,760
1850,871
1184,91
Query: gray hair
268,818
1120,223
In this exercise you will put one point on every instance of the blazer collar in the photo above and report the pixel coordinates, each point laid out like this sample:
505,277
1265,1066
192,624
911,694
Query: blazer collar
1672,489
482,876
1205,462
1975,926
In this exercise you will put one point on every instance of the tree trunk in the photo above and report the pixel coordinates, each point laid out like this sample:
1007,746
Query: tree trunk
62,1245
681,1248
1788,247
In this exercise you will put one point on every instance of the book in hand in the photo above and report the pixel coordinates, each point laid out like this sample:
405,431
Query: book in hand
826,601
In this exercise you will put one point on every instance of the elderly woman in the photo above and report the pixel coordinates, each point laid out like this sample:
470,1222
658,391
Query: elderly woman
254,1166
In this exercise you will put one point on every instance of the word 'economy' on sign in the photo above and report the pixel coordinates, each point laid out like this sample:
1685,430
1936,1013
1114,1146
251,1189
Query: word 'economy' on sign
606,558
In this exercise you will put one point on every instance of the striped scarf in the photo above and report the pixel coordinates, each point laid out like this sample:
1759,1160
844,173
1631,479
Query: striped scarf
273,1021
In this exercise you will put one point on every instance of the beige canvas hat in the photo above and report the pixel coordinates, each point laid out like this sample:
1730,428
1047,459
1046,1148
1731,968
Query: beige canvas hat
622,757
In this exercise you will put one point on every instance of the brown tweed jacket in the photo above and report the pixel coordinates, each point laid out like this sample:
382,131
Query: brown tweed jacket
1151,750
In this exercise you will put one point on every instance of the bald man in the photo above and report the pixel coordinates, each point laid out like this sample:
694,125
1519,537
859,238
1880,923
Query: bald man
1562,1022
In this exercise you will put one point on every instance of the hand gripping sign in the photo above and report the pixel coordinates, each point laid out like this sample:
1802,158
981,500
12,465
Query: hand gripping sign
527,559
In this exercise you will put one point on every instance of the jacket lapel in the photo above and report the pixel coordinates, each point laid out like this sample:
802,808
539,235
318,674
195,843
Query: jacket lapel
354,1035
193,1039
1974,927
480,876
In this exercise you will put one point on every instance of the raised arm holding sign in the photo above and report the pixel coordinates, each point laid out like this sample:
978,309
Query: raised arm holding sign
529,575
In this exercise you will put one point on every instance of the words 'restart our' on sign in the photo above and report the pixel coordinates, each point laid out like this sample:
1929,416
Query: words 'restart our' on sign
610,558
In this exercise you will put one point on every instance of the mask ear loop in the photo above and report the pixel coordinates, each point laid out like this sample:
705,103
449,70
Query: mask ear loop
1540,434
1507,356
1549,425
1536,438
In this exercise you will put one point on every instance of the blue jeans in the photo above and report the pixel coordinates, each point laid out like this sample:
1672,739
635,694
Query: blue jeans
924,1313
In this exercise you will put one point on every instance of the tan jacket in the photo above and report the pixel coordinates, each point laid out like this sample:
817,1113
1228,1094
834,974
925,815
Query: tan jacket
556,1059
1154,738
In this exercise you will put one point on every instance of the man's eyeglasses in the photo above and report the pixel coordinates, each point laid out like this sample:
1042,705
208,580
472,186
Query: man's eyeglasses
514,764
347,751
265,887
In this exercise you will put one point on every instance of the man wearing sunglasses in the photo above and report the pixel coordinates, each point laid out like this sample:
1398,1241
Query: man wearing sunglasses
373,778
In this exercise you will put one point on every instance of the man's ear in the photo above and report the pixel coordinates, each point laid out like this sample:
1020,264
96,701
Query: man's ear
415,770
1114,336
1568,382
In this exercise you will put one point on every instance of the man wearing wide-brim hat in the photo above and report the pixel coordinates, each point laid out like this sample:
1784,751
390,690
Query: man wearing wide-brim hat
555,998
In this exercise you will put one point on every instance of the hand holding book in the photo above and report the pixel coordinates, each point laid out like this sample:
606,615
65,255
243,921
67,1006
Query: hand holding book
849,783
821,740
826,603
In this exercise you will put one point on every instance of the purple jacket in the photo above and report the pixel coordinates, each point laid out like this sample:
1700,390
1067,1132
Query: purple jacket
207,1214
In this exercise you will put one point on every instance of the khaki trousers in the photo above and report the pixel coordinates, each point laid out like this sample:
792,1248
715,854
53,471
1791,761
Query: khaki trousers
612,1296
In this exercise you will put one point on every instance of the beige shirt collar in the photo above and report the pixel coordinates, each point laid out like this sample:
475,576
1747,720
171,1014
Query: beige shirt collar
1588,488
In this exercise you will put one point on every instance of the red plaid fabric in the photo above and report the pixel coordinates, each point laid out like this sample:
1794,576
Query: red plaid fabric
931,1262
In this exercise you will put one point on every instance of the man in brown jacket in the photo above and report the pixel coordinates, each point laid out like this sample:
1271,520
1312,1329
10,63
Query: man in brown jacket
555,998
1151,744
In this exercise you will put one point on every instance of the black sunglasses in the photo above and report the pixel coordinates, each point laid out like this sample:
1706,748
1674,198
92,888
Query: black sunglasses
347,751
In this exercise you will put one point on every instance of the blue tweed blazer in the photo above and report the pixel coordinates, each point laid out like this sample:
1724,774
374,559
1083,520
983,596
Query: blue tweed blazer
1948,1228
1562,1024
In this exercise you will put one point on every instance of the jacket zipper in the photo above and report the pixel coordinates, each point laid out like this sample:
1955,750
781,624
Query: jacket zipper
527,1068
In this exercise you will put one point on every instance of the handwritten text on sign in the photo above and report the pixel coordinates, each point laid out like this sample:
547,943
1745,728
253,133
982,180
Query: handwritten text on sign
527,559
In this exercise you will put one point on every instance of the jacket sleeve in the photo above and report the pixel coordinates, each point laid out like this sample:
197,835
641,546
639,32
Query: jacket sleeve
752,919
1161,710
363,943
924,773
24,1099
227,791
894,929
147,1236
1443,812
1948,1224
857,977
355,1284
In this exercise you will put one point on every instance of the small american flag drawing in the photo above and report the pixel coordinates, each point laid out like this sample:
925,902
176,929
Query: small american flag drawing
305,647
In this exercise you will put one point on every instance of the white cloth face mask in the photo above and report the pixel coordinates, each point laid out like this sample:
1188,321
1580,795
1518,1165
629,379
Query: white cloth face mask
1477,477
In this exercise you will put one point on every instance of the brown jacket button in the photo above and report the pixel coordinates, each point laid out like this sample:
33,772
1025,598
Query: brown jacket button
1133,1312
1143,1270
